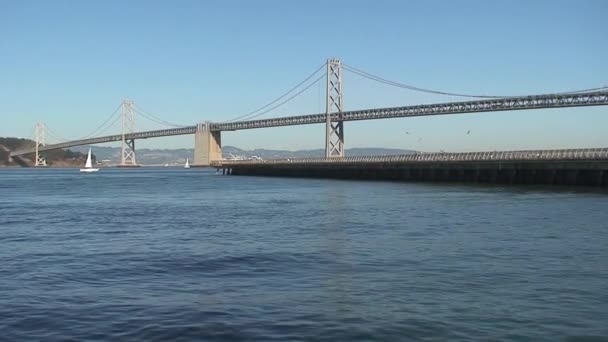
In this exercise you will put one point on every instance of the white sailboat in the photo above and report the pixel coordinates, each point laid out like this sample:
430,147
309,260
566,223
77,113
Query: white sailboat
88,167
187,166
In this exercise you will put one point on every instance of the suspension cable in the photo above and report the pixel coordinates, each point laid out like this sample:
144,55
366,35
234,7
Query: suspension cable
245,116
155,118
110,125
101,128
405,86
288,99
54,134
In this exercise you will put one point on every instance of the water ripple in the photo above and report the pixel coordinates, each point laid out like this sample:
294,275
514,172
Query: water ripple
184,255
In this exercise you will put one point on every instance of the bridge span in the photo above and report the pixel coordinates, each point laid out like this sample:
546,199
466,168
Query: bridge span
492,105
207,140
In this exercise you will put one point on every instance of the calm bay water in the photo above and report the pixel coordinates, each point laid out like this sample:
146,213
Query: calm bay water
180,255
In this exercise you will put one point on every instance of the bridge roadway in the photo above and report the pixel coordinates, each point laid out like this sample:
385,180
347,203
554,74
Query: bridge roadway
599,98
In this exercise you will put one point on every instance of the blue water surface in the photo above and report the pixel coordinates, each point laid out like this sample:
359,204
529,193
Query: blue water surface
188,255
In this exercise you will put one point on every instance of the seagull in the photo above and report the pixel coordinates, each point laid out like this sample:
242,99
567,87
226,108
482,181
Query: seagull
469,131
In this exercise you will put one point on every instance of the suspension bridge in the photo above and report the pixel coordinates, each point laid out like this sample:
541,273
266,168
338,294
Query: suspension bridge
207,135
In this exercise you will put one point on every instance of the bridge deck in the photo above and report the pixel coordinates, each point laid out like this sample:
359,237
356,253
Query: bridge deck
599,98
503,104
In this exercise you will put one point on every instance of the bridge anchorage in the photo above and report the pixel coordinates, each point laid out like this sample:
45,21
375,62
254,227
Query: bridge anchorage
207,145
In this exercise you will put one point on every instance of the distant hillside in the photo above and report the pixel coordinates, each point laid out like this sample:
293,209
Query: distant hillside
53,158
178,156
77,155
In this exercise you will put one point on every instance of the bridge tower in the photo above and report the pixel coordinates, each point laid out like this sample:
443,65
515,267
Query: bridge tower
334,134
207,145
128,126
40,133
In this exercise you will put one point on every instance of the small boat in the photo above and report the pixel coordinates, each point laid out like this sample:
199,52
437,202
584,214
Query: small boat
167,165
88,167
187,166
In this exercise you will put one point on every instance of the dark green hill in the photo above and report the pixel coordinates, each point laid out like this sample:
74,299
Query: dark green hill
53,158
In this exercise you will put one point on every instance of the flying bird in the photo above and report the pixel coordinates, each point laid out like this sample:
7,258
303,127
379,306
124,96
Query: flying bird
469,131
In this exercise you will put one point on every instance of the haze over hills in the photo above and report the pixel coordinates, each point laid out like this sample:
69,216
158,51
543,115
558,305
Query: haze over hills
178,156
111,155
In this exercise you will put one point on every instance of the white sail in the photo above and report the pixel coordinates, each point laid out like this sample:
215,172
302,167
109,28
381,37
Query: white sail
89,163
88,167
187,166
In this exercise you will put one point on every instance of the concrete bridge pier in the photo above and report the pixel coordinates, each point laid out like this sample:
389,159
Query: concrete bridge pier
207,145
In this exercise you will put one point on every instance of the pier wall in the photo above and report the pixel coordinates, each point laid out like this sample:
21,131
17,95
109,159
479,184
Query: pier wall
592,173
207,146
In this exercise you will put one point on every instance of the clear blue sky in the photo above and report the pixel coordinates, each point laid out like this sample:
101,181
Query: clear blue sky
70,63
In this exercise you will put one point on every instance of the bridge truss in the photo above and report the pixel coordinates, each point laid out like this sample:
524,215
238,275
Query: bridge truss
599,98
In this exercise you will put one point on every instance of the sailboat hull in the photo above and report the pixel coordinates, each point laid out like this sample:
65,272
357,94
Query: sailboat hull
89,170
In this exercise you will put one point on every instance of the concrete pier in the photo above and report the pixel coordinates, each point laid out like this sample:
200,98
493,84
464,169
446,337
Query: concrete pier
577,173
586,169
207,145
